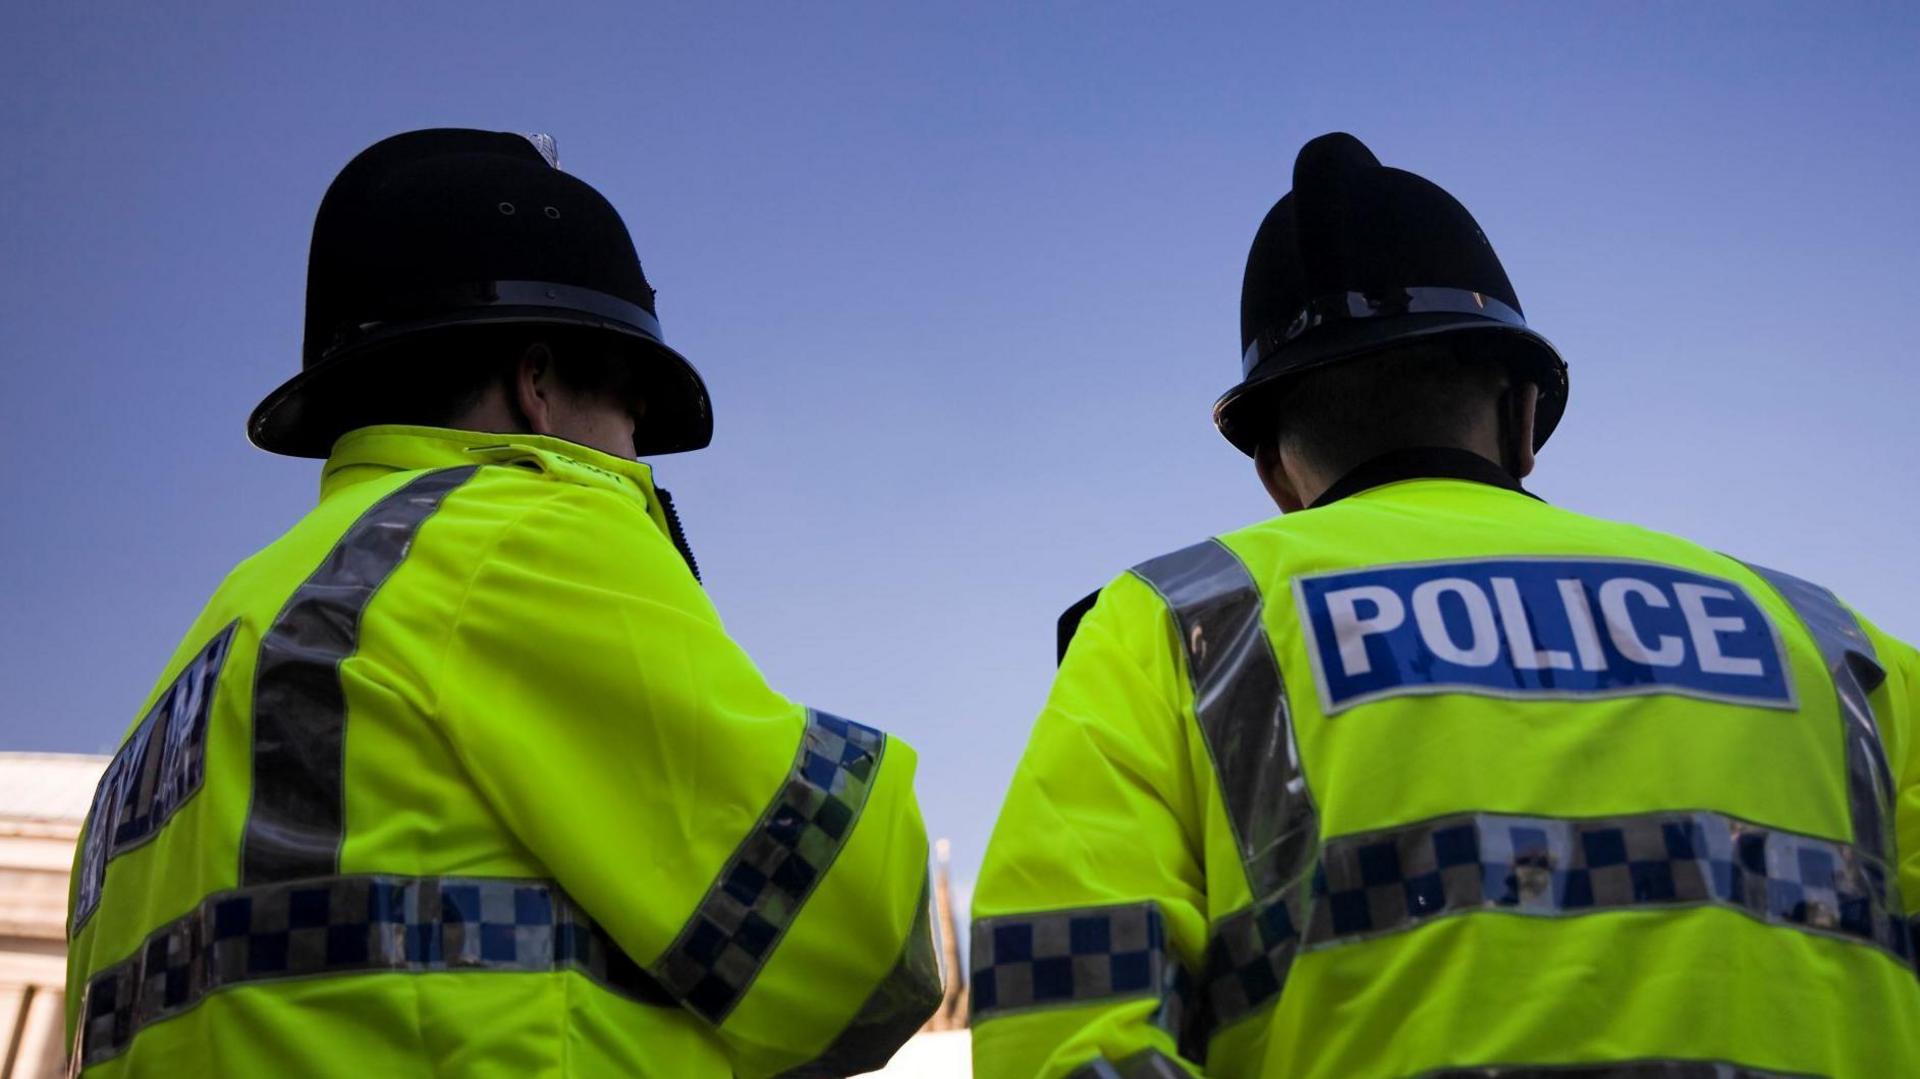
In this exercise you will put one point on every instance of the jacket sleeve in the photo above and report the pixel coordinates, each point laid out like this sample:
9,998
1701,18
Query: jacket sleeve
763,862
1090,904
1897,708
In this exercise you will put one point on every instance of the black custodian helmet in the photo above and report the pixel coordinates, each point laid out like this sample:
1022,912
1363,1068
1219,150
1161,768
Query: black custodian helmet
430,231
1360,257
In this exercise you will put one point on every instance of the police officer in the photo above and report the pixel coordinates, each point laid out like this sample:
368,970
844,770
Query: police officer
1428,777
462,775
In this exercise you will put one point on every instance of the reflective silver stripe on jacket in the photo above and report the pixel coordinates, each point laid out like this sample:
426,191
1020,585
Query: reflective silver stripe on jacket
1067,957
759,892
296,822
1146,1064
349,925
1856,673
1241,705
896,1008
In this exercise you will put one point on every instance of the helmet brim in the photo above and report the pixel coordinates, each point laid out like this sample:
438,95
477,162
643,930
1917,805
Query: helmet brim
309,412
1246,414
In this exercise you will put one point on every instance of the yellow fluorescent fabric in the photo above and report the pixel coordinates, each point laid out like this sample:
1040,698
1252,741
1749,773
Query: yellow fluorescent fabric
540,692
1119,800
1903,683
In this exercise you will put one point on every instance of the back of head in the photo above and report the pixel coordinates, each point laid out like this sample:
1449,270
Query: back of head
1365,266
435,252
1424,394
440,379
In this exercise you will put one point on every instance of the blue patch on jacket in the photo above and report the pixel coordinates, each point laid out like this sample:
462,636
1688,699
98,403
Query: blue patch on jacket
1527,627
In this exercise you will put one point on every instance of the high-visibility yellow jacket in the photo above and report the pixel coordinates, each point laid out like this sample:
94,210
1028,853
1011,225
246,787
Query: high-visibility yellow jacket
462,776
1435,776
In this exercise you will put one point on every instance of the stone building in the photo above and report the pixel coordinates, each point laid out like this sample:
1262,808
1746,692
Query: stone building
43,801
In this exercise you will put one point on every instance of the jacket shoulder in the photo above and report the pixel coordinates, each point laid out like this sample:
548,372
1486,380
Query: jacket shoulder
1182,574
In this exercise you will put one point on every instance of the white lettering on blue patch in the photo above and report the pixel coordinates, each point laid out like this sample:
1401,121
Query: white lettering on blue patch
1538,627
159,768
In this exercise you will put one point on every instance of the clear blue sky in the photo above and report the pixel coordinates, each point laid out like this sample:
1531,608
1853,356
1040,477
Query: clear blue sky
964,286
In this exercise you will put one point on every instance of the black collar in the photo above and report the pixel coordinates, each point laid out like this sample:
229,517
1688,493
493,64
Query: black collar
1420,463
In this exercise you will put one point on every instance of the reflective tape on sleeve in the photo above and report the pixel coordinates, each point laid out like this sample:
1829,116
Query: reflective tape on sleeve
1248,958
897,1007
296,823
1071,957
341,926
760,890
1240,704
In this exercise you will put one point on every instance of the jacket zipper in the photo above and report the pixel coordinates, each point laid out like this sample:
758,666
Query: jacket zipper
676,533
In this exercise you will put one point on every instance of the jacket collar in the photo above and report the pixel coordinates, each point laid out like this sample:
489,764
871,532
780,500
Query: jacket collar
1420,463
372,452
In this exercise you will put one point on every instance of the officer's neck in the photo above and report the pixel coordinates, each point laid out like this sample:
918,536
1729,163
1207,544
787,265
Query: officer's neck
1298,481
1497,450
1413,463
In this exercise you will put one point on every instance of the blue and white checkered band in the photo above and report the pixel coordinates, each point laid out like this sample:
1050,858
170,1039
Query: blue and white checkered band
759,892
349,925
1384,882
1067,957
1382,303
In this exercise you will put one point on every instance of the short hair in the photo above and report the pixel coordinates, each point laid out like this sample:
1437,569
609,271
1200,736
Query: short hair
437,380
1432,393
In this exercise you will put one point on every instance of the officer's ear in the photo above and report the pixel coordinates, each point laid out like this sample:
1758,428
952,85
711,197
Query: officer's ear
1273,476
1519,406
535,384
